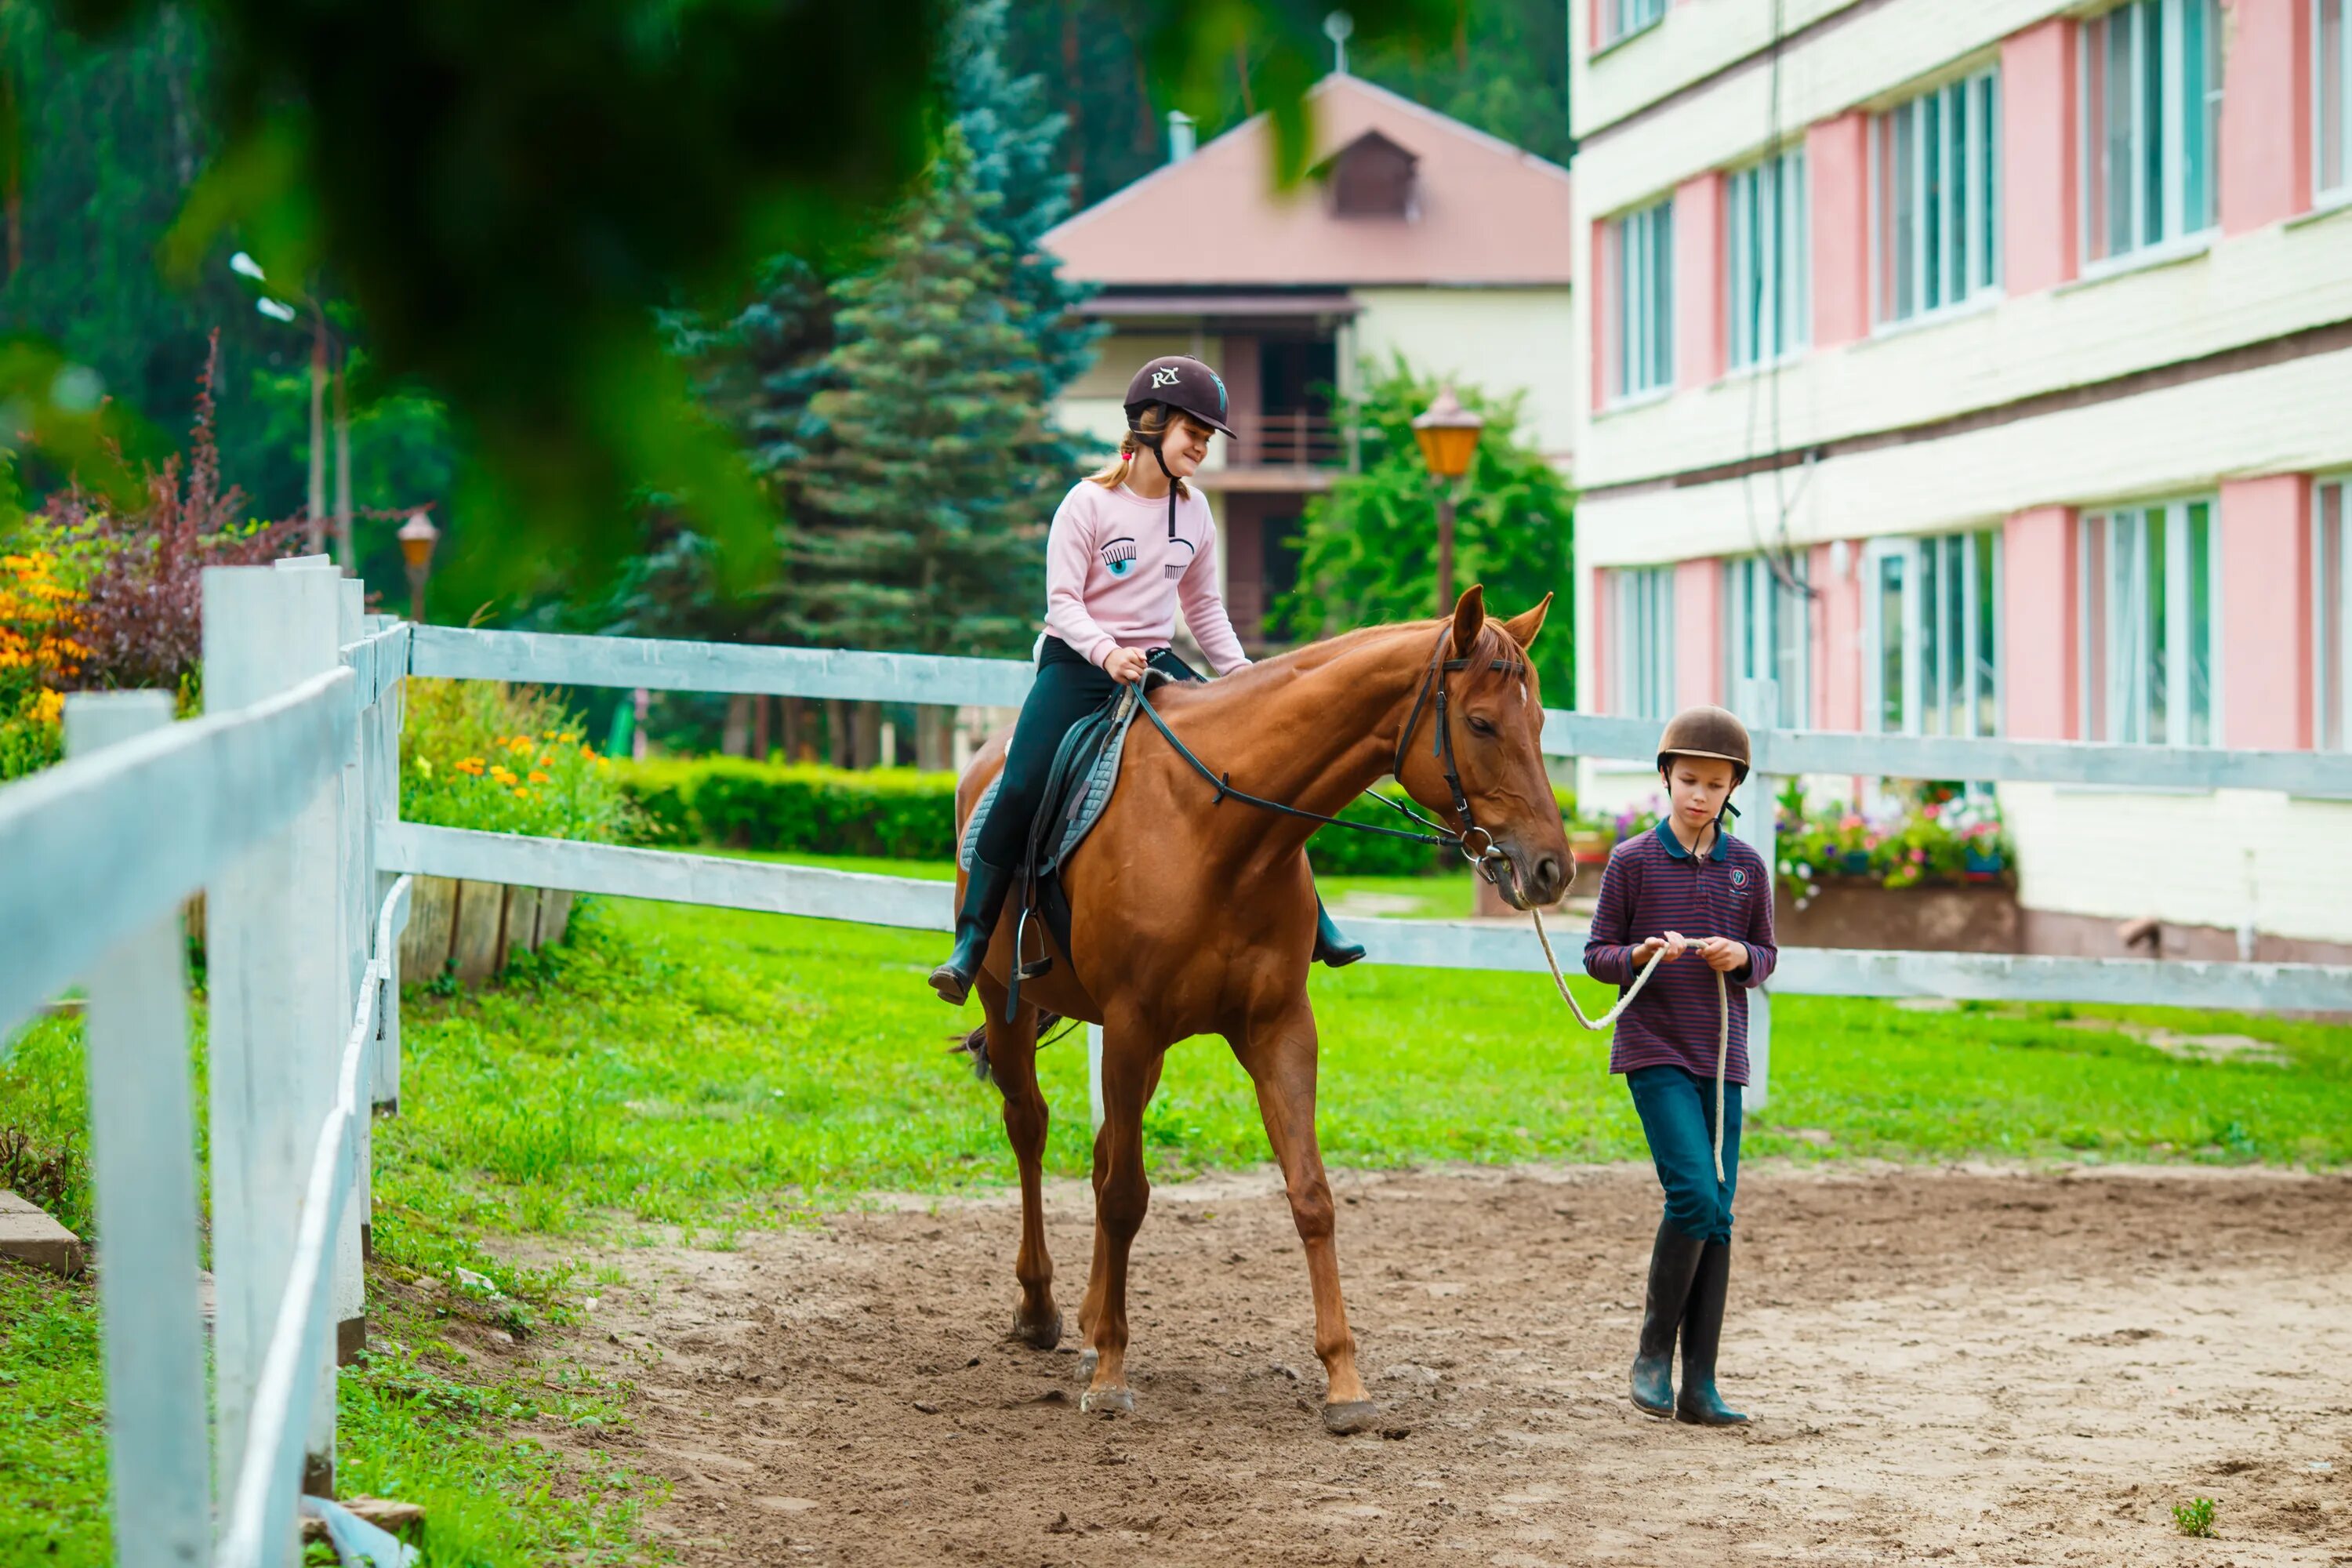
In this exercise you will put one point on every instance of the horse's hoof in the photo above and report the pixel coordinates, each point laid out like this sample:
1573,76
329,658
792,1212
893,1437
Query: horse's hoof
1042,1334
1086,1360
1355,1416
1107,1402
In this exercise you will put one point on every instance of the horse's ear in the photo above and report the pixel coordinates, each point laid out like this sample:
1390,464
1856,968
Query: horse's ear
1524,625
1469,617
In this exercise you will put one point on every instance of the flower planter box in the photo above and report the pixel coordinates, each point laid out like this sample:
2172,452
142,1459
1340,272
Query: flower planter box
473,929
1981,917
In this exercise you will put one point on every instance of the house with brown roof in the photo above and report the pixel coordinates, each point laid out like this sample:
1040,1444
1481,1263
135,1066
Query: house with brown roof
1414,235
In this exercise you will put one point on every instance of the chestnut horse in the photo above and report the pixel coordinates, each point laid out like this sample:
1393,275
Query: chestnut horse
1191,917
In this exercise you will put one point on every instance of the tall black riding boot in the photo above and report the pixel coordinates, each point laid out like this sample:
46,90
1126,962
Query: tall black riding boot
1674,1258
1330,947
1702,1331
984,900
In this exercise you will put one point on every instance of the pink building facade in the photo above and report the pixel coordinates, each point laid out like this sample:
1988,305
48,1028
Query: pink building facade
1993,412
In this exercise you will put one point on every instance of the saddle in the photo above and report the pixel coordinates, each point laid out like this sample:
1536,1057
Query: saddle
1077,789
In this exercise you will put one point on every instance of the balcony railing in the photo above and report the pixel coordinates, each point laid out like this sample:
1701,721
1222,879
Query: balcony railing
1295,439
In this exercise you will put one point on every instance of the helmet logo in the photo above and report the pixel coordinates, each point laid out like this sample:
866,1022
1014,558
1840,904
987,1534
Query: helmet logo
1221,390
1166,375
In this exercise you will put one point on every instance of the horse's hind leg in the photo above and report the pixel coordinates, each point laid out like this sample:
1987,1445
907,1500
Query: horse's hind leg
1013,1067
1131,1069
1278,1053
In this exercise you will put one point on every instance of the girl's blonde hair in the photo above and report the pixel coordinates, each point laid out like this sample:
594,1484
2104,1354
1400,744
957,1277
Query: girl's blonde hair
1154,422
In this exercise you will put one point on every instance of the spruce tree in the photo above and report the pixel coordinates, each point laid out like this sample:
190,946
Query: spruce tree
932,518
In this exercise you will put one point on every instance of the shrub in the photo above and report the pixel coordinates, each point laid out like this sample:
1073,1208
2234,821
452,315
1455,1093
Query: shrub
506,759
897,814
1931,840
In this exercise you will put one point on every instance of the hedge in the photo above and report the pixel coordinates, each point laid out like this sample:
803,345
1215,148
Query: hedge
899,814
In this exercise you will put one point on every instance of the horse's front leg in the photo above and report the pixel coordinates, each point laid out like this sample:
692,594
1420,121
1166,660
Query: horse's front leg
1130,1070
1278,1052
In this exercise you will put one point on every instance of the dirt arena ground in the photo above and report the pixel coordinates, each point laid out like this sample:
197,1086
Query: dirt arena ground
1948,1366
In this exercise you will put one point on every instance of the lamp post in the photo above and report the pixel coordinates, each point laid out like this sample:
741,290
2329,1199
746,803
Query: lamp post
417,536
288,305
1448,434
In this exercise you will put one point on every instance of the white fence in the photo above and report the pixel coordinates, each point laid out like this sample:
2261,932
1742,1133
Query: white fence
283,805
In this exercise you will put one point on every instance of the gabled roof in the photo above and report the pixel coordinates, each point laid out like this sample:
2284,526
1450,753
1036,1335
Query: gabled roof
1484,211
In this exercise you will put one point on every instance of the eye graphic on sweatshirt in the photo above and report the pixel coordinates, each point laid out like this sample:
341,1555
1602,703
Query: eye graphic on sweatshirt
1118,556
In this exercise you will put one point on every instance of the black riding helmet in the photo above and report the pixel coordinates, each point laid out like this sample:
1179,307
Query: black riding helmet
1185,385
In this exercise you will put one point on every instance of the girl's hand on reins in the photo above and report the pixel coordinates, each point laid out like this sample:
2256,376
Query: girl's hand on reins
1126,665
1724,956
1674,943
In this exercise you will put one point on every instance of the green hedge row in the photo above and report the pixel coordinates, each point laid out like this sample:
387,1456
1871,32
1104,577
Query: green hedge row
901,815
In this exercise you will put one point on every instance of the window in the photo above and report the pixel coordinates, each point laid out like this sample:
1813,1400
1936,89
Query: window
1642,642
1931,635
2331,620
2151,118
1770,632
1642,275
1935,178
2150,648
2331,43
1770,268
1623,18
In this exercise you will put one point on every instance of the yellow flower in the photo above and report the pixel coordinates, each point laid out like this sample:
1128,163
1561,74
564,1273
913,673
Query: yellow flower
538,778
424,766
520,744
49,707
522,794
501,776
566,737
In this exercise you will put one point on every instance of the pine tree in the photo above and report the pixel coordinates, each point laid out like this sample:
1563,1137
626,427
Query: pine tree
1015,136
932,514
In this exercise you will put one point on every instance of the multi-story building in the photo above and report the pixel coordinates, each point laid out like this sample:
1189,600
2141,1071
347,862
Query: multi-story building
1414,235
1985,367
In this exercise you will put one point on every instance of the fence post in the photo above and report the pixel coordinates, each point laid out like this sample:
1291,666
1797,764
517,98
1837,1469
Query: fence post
275,985
356,917
1759,706
384,805
142,1156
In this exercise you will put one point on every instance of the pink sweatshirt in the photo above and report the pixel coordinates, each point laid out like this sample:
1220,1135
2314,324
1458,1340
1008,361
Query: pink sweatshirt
1114,578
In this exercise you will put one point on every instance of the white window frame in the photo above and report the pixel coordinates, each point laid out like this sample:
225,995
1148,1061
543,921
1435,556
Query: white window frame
2331,142
1642,642
2331,613
1621,19
2184,208
1641,307
1769,634
1927,635
2115,635
1768,259
1965,165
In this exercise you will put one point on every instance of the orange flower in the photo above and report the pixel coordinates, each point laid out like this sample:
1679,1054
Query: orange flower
501,776
472,765
538,778
522,794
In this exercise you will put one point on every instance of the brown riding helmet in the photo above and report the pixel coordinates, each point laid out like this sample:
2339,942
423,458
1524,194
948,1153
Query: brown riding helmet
1707,731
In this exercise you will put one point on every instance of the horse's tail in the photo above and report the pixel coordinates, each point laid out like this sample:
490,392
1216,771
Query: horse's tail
975,1045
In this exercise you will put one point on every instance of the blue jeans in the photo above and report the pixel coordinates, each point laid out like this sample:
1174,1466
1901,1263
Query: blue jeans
1678,1111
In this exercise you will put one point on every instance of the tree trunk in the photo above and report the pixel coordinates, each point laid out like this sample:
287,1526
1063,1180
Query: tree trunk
837,747
735,740
760,705
789,740
314,527
868,720
934,739
346,546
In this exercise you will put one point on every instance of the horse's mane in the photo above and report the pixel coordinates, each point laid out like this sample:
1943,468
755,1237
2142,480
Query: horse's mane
1492,642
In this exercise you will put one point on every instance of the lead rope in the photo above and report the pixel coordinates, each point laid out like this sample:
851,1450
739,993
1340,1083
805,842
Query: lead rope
1722,1017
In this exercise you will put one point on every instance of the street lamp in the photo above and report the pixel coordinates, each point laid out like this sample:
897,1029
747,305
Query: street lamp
417,539
1448,434
286,305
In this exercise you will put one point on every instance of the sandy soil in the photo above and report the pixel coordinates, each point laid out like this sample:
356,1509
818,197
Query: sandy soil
1957,1367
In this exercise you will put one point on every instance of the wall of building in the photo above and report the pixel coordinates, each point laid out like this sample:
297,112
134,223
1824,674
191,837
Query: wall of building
1502,340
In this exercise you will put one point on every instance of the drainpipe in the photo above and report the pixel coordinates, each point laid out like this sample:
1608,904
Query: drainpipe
1179,136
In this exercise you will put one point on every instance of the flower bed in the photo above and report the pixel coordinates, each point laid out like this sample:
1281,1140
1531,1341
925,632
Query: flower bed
1940,839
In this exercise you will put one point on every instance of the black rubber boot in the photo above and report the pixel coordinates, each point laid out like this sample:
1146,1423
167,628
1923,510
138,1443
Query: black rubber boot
984,900
1330,947
1674,1258
1699,1403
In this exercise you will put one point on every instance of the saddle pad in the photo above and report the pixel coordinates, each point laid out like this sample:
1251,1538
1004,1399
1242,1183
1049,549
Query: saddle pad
1084,772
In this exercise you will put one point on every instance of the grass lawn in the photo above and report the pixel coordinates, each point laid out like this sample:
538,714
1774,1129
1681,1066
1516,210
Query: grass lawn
716,1070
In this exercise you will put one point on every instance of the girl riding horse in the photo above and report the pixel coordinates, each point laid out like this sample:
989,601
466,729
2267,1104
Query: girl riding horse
1114,578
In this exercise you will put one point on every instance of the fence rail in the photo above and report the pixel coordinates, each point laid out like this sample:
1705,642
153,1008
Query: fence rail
284,806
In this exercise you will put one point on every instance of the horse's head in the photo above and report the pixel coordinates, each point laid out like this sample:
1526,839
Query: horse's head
1495,712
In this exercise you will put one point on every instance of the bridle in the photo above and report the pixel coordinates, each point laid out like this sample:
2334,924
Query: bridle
1433,696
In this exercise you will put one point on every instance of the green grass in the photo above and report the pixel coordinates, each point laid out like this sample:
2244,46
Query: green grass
718,1071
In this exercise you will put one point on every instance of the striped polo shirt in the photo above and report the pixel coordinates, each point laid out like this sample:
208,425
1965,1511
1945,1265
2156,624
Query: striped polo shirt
1651,885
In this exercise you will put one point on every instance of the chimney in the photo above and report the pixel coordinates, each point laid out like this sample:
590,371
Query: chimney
1180,135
